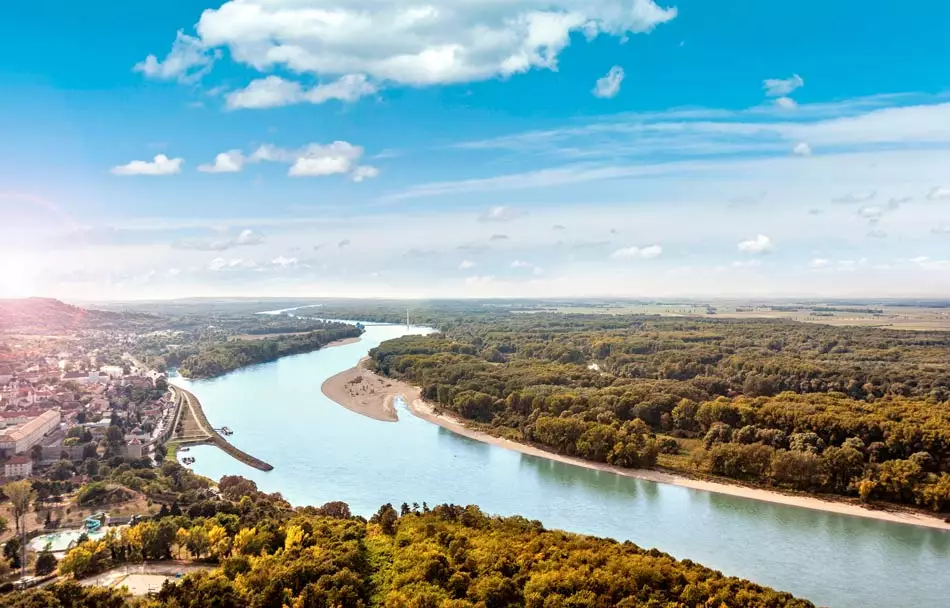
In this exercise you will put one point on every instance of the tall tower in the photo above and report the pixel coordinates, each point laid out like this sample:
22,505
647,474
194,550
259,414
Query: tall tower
407,318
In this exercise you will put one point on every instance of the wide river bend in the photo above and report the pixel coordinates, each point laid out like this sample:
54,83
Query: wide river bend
323,452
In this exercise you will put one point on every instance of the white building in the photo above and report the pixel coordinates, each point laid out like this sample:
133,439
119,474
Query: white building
28,434
18,466
94,377
113,371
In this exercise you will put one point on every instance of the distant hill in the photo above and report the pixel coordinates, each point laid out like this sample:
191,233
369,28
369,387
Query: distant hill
46,315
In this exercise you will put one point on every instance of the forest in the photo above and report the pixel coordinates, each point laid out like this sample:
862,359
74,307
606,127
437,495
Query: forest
216,358
268,554
860,412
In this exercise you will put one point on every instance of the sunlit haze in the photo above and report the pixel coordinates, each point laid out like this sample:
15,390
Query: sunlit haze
519,148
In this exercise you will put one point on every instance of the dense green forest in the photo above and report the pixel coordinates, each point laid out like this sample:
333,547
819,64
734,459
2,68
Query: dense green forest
217,358
844,410
268,554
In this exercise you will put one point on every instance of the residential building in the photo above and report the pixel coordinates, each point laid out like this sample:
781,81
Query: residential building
20,465
133,449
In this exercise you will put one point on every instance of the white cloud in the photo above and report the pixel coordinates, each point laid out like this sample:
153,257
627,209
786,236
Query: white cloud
521,264
249,237
877,233
160,165
643,253
284,262
187,61
786,103
467,265
872,213
231,161
781,87
220,264
928,264
314,160
819,263
609,86
939,194
801,149
274,91
944,229
439,42
855,197
364,172
499,214
245,238
760,244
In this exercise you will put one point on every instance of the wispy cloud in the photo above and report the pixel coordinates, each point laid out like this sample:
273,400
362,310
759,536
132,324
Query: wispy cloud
245,238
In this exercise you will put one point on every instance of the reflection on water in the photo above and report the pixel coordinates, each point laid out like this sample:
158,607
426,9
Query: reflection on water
323,452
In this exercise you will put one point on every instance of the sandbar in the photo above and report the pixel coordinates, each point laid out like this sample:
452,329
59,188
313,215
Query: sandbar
367,393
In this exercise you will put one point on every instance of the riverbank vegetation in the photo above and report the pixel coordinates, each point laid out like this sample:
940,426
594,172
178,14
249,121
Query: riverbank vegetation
269,554
218,358
850,411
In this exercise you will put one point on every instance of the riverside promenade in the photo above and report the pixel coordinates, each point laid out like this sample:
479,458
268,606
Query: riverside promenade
192,428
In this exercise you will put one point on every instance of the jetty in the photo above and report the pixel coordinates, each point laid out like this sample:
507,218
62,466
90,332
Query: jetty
191,427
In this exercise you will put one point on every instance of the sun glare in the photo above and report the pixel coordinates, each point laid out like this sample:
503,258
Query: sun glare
16,281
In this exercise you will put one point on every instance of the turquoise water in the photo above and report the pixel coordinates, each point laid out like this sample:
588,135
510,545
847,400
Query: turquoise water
323,452
61,540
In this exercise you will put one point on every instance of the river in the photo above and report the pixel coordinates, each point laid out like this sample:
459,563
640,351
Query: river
323,452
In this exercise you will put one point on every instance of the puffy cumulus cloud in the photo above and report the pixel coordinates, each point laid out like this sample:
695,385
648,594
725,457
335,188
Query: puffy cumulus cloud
801,149
438,42
609,86
245,238
274,91
638,253
782,87
467,265
231,161
939,194
187,61
755,246
160,165
315,160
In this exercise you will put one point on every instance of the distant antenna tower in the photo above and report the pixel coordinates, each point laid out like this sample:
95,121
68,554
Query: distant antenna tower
407,318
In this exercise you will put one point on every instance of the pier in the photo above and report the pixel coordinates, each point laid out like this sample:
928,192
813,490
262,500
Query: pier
191,427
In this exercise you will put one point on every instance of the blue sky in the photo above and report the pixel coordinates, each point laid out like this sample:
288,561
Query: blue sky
478,148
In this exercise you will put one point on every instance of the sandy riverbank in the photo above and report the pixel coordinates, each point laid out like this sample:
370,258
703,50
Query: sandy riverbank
342,342
364,392
376,401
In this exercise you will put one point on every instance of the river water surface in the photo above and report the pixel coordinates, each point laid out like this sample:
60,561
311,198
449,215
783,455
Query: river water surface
323,452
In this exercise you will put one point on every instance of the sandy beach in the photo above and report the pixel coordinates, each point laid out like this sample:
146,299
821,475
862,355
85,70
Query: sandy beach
342,342
369,394
364,392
